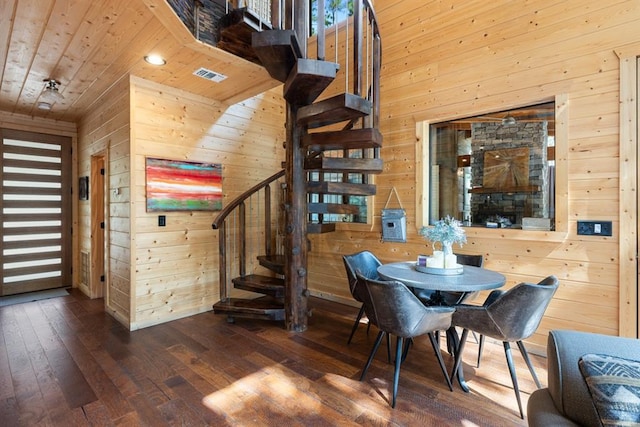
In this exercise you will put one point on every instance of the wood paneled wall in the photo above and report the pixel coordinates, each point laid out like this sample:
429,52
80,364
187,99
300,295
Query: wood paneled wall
105,131
157,274
176,267
443,60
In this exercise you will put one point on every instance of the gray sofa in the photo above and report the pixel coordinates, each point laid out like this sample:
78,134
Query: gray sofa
567,401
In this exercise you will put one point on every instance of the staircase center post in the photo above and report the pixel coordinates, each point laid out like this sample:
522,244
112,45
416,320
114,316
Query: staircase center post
296,228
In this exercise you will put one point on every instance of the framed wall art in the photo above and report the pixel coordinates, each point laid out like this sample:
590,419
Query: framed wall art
175,185
83,188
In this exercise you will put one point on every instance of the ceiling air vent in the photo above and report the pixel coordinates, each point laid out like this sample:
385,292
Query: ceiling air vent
209,75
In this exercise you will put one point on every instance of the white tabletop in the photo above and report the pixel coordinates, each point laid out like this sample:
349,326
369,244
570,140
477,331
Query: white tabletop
472,279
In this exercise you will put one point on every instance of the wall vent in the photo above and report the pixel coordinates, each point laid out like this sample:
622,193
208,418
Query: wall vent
84,268
209,75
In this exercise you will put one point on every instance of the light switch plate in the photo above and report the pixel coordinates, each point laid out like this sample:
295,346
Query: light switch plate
595,228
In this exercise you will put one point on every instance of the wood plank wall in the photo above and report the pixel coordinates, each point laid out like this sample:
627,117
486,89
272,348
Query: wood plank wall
159,274
175,271
447,59
105,130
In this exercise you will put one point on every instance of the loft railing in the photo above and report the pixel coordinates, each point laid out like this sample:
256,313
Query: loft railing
249,226
361,57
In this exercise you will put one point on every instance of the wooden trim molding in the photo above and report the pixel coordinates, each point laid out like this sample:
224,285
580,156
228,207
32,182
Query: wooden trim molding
629,199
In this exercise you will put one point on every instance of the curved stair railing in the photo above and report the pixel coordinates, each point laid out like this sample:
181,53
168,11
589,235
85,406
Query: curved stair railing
250,230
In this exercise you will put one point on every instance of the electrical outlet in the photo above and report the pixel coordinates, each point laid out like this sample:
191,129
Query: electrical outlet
595,228
162,220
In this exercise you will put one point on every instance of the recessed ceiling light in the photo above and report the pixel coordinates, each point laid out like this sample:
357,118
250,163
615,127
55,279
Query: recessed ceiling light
155,59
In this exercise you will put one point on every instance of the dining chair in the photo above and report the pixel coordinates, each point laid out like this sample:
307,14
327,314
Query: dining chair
395,310
452,298
509,316
367,263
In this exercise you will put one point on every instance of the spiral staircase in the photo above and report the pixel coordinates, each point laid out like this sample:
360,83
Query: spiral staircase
333,146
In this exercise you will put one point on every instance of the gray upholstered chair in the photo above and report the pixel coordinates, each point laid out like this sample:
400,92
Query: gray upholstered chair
452,298
510,316
367,263
395,310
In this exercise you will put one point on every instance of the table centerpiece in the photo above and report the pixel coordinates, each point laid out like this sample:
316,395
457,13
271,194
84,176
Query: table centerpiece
445,231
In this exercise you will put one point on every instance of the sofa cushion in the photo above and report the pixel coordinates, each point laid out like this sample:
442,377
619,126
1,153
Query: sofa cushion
614,384
568,389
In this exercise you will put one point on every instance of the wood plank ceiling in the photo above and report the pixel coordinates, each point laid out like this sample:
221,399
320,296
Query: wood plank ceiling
89,45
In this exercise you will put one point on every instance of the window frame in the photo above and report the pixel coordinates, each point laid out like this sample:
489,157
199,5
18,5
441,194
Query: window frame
423,171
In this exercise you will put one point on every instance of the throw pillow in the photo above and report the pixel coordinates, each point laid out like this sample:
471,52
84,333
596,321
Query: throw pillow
614,384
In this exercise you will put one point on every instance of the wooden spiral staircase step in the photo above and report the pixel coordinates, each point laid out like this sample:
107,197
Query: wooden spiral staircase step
236,30
343,139
339,108
346,188
265,308
274,263
272,286
333,208
344,165
278,51
308,79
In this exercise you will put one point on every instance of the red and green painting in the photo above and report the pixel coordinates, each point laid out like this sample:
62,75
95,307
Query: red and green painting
174,185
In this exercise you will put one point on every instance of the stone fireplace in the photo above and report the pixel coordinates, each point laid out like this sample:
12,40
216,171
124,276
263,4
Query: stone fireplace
509,171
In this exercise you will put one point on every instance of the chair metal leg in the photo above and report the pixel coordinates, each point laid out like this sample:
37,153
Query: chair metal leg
407,344
355,325
525,356
458,359
512,371
436,348
480,347
388,348
381,334
396,371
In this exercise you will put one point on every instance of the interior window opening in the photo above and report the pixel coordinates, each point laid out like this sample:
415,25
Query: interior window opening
495,170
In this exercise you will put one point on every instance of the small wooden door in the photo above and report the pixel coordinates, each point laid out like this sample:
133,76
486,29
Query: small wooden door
98,226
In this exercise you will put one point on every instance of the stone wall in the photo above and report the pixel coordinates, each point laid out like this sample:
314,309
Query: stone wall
518,202
201,17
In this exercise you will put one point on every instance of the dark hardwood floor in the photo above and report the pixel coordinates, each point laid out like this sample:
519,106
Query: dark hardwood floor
65,362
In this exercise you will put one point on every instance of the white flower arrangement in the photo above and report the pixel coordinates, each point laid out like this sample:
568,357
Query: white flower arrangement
447,231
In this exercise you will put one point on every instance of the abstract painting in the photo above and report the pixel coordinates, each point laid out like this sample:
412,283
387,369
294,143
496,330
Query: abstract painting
174,185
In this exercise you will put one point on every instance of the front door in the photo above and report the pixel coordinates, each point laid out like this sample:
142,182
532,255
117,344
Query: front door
35,212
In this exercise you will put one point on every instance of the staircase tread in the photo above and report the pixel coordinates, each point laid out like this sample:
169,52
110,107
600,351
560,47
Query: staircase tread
344,106
354,189
235,33
259,308
343,139
308,79
317,228
278,51
344,164
274,263
272,286
333,208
